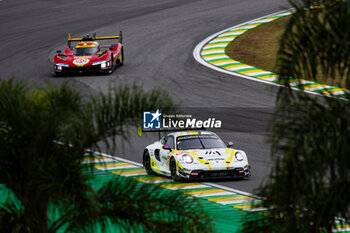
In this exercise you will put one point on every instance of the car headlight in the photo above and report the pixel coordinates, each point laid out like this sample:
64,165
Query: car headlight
187,158
239,156
60,65
104,65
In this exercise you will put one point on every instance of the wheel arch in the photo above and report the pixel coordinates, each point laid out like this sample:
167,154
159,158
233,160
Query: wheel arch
143,155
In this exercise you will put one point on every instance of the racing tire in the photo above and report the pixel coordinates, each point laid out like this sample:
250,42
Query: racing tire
173,169
122,61
249,175
147,163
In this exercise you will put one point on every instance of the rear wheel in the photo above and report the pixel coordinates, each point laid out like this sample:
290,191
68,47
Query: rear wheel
109,71
173,169
122,60
147,163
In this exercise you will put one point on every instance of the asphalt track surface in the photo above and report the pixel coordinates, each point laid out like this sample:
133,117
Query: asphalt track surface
159,37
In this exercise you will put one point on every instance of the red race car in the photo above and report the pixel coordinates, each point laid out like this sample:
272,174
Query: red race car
89,56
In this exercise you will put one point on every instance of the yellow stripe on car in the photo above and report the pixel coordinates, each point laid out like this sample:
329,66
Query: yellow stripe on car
201,160
192,133
229,159
179,165
154,165
85,46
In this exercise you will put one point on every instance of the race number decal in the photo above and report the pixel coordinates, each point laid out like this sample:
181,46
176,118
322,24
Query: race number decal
81,61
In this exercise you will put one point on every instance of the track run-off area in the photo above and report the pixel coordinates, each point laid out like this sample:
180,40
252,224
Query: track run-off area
211,53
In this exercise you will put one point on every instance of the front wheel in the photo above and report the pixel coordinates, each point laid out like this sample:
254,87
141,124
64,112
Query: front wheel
173,170
248,175
147,163
112,65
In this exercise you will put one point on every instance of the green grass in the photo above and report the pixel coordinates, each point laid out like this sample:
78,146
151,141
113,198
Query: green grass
258,47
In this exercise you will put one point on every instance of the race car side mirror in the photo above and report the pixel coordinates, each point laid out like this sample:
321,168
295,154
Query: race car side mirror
166,147
58,51
229,144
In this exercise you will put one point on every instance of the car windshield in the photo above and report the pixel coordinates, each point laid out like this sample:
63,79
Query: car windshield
85,51
190,142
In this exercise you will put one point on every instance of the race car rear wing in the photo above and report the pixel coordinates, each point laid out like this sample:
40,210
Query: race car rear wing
88,38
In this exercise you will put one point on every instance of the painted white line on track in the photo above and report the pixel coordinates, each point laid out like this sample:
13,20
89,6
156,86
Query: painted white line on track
197,52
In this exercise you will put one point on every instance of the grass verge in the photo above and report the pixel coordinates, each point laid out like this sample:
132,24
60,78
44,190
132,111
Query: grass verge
258,47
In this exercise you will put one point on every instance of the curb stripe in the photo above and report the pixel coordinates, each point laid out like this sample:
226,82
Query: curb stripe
188,187
203,51
207,191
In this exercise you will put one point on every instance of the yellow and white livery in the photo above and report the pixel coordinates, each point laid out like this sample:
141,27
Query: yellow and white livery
195,155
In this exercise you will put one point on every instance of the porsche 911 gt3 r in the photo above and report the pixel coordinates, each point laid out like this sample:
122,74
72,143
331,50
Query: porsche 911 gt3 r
89,56
195,155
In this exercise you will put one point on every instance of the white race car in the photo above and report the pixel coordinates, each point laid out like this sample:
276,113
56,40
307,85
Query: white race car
194,155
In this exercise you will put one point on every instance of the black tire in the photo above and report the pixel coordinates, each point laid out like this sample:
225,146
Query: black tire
122,61
147,163
112,66
173,168
249,175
